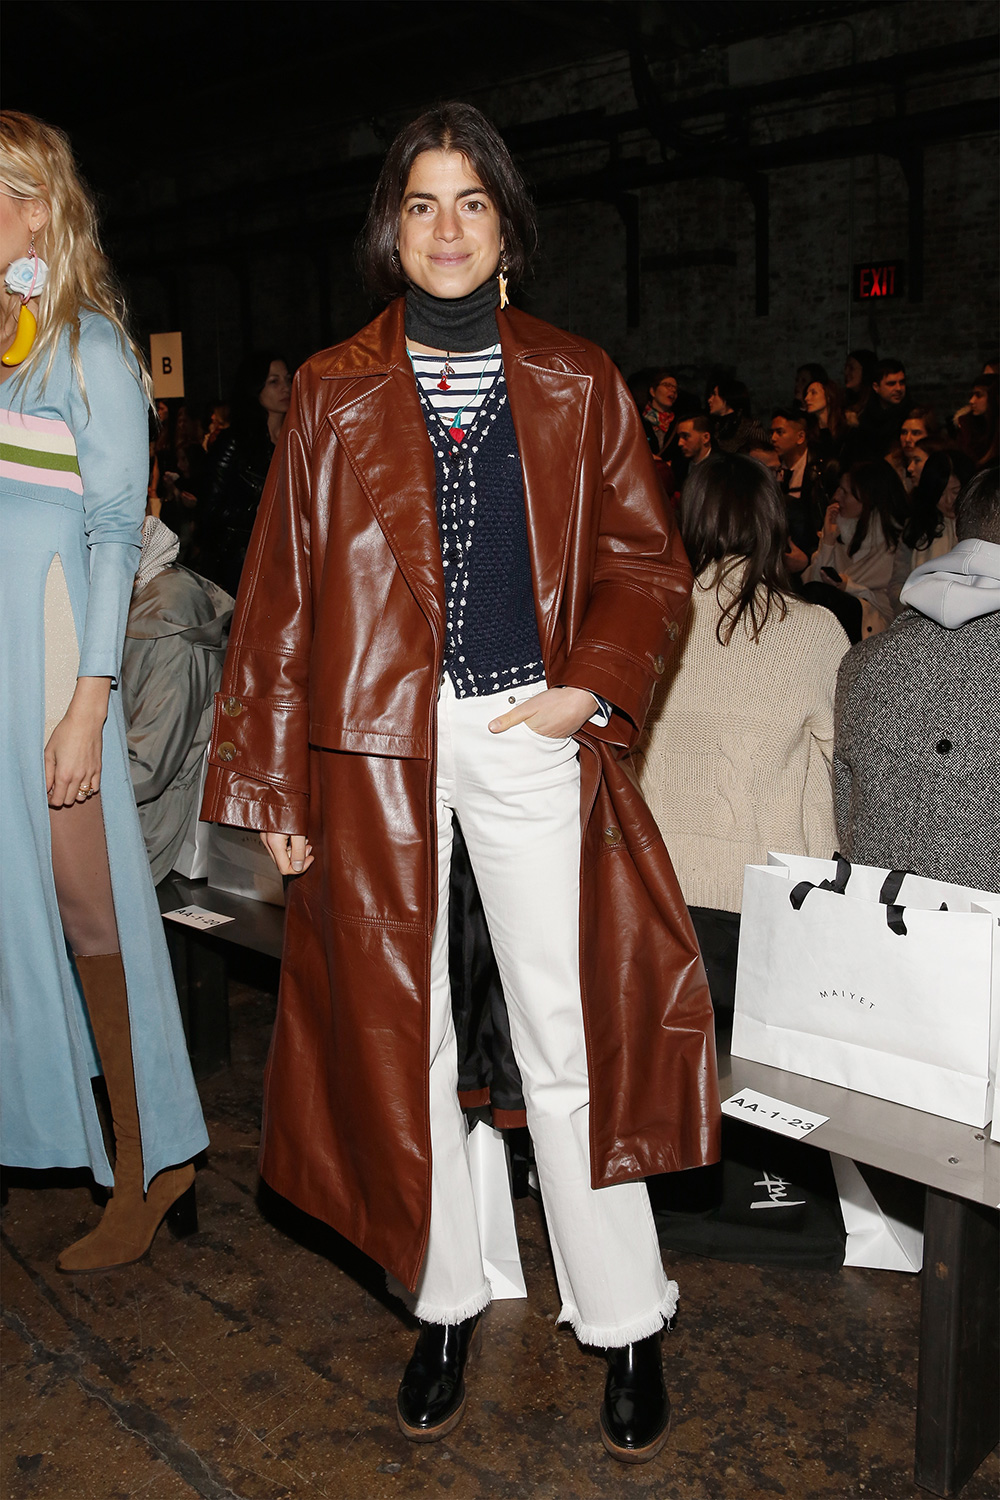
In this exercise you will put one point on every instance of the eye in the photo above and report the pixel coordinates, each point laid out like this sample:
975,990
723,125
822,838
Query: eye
476,205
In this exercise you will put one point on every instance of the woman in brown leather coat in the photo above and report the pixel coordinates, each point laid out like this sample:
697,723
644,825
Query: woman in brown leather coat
460,593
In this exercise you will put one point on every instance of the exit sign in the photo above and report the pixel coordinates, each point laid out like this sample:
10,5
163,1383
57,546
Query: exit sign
876,279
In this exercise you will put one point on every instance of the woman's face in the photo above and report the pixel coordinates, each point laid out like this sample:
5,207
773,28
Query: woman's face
665,393
978,401
277,389
716,406
853,374
911,433
850,505
449,227
815,398
915,463
948,496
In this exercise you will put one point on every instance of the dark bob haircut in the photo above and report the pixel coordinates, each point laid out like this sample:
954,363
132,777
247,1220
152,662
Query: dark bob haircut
449,127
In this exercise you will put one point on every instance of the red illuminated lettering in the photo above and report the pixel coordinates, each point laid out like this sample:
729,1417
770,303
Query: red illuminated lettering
865,275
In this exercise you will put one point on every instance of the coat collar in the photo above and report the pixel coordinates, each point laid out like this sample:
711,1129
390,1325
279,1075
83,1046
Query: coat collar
381,345
376,413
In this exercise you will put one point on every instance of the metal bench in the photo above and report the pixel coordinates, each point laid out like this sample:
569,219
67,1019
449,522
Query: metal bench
200,961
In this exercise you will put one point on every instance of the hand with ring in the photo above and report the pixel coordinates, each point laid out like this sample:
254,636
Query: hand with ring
73,752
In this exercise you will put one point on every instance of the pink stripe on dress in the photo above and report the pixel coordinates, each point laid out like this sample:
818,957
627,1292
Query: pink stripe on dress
52,479
35,424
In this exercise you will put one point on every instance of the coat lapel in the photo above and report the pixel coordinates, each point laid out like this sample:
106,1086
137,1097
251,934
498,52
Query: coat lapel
548,404
376,414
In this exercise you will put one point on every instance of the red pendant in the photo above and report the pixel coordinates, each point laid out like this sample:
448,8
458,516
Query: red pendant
443,384
457,433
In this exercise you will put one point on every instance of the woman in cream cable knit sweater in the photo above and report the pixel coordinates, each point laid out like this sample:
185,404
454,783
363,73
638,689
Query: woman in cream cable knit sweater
736,755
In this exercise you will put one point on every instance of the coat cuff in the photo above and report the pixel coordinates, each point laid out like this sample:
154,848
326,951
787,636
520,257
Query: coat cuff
249,736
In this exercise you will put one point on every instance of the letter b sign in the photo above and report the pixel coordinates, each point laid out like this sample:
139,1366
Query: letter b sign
166,360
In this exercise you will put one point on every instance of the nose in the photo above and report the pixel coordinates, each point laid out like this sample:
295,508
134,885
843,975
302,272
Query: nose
449,226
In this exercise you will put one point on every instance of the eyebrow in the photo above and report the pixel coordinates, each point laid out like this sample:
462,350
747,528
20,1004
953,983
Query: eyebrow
471,192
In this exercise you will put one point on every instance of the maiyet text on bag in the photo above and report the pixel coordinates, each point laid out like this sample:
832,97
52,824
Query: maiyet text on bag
876,980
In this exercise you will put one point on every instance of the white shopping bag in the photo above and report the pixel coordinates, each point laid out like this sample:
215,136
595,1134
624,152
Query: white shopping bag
192,857
239,863
892,997
495,1211
875,1238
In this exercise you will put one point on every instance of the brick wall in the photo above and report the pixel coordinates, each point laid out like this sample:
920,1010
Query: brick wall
265,251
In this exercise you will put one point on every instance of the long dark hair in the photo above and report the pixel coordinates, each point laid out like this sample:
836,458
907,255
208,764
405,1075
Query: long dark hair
925,521
733,515
835,424
247,418
448,127
879,488
988,424
867,359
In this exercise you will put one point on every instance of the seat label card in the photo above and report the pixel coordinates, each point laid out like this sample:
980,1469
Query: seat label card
772,1114
198,916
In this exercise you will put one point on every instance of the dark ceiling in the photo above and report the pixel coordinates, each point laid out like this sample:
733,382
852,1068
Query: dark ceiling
161,77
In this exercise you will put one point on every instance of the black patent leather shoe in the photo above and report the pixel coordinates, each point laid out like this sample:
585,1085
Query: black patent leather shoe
431,1396
635,1416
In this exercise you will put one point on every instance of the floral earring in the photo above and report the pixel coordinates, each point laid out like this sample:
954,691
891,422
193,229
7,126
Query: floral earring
502,280
25,278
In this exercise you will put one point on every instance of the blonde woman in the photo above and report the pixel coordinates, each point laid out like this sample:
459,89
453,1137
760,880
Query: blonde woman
82,954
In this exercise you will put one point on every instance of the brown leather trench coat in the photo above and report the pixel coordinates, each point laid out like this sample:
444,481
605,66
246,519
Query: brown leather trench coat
326,724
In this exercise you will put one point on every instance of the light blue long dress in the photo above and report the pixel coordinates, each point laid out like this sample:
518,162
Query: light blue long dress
73,475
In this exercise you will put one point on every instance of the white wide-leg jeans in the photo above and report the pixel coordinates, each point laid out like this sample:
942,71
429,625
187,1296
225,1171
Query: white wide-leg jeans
517,797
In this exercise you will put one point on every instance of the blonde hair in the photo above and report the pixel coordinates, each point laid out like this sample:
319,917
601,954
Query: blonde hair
36,162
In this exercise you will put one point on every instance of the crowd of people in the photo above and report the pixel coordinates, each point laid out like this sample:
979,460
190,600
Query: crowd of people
870,475
679,586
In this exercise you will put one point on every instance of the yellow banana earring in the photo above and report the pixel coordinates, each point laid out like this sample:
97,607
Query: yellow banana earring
24,337
25,278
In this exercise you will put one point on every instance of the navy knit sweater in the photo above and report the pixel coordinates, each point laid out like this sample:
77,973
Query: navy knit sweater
492,635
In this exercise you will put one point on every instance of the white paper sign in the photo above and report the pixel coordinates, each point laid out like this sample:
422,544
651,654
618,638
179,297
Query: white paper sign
198,916
166,362
772,1114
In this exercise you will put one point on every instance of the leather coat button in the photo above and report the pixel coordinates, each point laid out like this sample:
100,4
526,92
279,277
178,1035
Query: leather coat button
226,751
659,665
673,630
232,708
612,835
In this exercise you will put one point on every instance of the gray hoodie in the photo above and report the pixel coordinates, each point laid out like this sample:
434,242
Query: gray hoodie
962,585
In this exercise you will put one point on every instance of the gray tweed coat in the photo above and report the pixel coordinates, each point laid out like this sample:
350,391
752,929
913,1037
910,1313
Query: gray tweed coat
917,755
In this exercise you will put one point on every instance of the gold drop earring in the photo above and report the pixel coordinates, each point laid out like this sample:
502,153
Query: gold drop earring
502,280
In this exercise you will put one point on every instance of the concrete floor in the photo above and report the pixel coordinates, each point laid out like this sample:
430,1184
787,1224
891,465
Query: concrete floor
259,1360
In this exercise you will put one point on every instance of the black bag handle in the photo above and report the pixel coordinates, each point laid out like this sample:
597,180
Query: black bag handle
799,892
891,886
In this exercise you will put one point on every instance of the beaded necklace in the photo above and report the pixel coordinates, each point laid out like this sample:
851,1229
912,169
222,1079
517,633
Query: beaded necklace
457,431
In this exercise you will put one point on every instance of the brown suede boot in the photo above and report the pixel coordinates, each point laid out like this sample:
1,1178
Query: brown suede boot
131,1218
